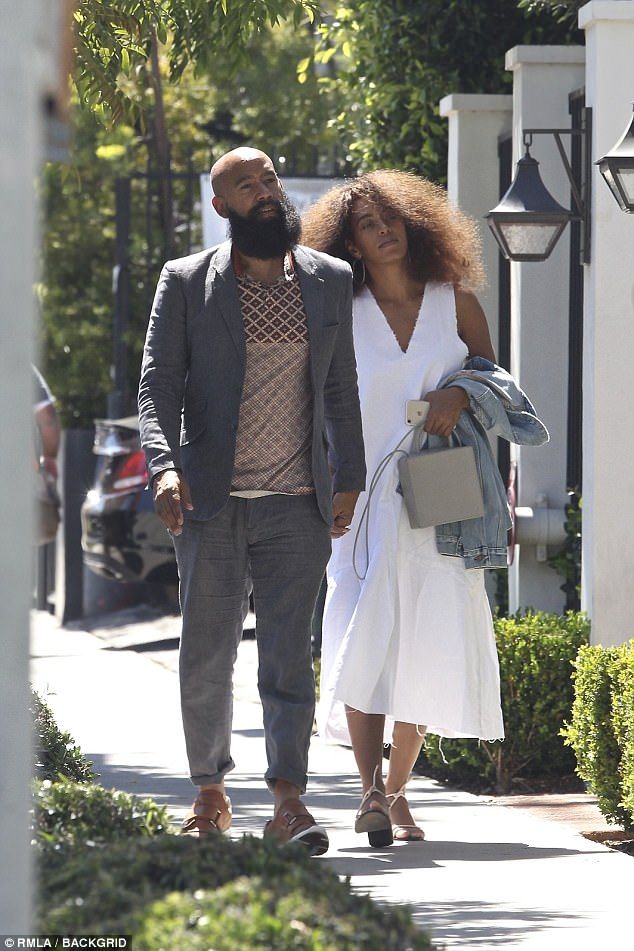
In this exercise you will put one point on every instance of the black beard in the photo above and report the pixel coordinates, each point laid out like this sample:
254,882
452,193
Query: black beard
266,238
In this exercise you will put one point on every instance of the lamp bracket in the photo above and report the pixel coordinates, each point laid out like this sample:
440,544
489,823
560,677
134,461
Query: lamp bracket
579,198
557,134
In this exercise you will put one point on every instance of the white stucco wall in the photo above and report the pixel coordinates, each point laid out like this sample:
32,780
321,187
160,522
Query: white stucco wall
475,124
543,78
608,433
30,45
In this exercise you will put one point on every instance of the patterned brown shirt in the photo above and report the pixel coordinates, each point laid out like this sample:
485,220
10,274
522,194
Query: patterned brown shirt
274,439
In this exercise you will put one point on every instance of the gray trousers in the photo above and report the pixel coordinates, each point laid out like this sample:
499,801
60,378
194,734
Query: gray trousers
278,546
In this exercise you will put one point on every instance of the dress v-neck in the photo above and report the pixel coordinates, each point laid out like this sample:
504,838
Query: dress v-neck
388,325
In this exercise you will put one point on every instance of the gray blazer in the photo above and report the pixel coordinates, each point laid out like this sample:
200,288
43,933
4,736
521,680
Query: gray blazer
193,372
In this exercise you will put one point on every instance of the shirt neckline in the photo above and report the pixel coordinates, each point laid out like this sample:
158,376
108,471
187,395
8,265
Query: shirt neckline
241,275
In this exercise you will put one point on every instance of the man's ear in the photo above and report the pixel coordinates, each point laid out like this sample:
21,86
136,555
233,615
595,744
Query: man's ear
219,206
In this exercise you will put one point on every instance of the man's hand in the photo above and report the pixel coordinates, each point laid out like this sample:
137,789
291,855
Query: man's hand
343,504
171,496
444,410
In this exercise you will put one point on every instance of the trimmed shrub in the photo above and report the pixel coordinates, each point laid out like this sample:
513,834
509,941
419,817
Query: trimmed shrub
234,895
67,813
56,753
536,652
261,914
601,730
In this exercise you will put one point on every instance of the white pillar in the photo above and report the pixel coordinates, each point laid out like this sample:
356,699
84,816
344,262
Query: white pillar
608,426
475,124
543,78
28,35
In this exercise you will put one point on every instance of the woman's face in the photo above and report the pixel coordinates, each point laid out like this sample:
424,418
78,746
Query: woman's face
378,234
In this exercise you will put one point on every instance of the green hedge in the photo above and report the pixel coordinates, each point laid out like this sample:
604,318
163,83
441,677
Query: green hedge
56,753
105,868
231,895
601,730
537,652
71,813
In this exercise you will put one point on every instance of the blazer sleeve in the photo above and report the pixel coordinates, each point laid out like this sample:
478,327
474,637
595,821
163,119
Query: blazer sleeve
342,412
163,374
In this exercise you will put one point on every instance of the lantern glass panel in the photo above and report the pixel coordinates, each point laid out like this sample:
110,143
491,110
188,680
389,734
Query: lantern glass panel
626,181
529,238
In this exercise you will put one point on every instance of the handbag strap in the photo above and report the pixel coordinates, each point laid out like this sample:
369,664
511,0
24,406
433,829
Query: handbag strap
365,514
452,435
378,472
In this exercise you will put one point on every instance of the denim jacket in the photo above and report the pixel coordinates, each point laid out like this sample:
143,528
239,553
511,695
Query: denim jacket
499,407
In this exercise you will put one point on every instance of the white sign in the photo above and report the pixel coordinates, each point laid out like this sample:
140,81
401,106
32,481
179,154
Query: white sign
303,192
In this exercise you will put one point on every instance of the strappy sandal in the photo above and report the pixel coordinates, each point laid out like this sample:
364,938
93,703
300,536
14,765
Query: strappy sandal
210,813
375,820
403,833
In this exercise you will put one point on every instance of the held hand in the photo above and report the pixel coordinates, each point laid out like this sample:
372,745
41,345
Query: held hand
444,411
343,504
171,496
50,464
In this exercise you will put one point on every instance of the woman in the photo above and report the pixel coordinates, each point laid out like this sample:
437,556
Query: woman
408,641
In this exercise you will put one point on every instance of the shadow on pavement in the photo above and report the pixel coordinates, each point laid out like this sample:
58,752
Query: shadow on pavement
488,924
169,644
144,780
363,860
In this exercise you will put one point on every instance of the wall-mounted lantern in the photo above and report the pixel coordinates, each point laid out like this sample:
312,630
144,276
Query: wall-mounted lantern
528,221
617,168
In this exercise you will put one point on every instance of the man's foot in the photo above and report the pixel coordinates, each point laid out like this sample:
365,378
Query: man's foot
404,827
211,812
293,822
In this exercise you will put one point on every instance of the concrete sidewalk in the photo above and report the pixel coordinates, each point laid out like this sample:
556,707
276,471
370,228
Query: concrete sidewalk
488,876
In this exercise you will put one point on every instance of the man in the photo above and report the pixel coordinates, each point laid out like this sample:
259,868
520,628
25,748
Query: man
46,435
48,425
252,342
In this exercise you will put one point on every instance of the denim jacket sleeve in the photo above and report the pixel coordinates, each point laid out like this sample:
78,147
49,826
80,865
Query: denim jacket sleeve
498,403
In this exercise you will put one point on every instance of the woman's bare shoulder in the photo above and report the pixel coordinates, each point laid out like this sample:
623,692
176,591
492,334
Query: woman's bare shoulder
472,324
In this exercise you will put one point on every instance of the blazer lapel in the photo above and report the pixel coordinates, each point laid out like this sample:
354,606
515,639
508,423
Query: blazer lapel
221,290
312,287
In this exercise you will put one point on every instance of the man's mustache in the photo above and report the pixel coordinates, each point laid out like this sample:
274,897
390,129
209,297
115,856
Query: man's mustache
277,205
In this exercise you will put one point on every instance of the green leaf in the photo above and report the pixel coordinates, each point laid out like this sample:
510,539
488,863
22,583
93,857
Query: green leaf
110,152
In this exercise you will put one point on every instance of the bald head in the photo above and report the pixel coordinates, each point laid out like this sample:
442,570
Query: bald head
242,179
232,165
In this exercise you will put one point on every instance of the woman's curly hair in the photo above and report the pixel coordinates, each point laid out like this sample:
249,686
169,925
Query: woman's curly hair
444,244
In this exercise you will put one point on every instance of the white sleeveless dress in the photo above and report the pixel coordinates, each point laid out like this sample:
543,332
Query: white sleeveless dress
414,640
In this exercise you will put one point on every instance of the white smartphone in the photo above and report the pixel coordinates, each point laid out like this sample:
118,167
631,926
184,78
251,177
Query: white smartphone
416,412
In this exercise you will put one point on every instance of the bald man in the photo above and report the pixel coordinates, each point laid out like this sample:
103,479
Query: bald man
250,421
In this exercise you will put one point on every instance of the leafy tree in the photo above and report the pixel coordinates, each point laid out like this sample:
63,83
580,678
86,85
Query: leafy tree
118,46
262,103
564,11
118,38
397,59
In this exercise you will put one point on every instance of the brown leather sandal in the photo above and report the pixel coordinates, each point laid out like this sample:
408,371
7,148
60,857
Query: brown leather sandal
293,822
211,812
374,818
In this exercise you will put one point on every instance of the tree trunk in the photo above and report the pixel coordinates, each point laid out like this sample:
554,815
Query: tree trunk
162,147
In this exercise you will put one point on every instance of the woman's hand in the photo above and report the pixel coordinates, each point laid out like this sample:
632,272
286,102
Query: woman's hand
444,410
343,504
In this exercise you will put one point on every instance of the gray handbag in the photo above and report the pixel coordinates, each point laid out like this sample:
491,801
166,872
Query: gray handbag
441,485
